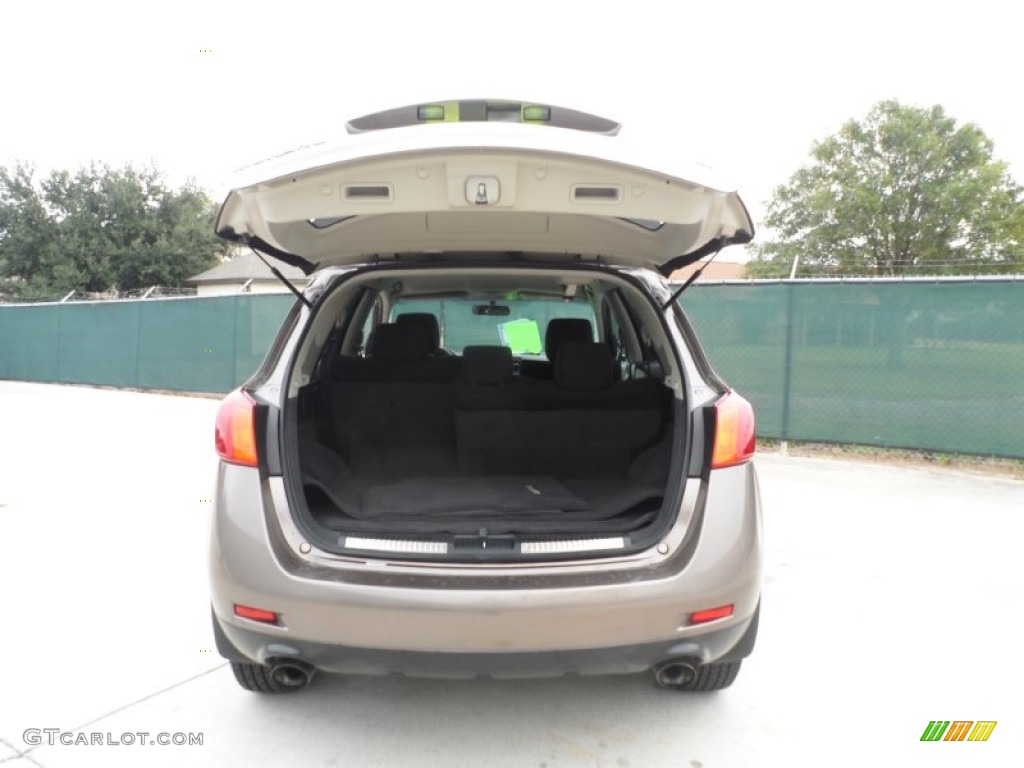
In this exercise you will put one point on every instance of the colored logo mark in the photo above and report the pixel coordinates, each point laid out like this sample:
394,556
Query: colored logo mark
958,730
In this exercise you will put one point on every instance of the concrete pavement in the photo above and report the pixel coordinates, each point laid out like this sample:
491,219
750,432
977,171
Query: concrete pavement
892,597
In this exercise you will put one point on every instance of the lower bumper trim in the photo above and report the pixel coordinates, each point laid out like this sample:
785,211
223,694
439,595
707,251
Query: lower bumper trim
730,643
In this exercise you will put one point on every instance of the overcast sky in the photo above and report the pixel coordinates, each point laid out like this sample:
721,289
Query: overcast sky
200,89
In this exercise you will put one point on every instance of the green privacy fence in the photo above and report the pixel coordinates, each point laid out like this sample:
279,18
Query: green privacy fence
931,365
191,344
934,365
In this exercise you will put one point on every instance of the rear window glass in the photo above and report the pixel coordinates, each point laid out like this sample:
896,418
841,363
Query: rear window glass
519,324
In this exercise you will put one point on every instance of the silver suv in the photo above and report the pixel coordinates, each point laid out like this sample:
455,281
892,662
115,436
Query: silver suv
486,440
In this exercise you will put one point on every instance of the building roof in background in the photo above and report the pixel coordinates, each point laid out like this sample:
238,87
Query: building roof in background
246,266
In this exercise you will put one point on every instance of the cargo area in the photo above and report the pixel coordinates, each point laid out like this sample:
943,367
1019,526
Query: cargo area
403,440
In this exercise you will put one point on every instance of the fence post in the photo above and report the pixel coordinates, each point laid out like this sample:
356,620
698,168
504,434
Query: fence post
788,369
234,352
138,345
60,311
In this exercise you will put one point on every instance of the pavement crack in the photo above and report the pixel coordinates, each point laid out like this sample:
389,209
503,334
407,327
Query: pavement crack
18,754
150,696
123,707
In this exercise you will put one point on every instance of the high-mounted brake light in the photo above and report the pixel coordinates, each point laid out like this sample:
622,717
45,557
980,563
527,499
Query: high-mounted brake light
256,614
235,433
483,111
734,432
536,114
430,112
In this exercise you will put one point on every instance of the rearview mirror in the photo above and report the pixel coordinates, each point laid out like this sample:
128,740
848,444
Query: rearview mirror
492,310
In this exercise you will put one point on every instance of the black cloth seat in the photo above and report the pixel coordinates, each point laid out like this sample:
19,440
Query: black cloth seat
560,330
487,381
397,352
395,341
583,423
394,410
428,325
487,365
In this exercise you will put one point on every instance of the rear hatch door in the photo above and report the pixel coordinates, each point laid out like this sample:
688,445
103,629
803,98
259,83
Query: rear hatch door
462,188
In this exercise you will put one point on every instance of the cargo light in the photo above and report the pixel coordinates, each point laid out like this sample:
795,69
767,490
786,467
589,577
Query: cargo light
235,433
710,614
256,614
734,432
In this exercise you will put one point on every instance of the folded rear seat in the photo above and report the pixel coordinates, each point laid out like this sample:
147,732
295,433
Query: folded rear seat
486,382
583,423
394,409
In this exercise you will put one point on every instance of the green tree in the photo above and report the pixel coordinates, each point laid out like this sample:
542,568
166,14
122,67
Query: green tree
101,229
904,191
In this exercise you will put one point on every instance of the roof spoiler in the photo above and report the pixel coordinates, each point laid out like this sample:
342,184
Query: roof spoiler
481,111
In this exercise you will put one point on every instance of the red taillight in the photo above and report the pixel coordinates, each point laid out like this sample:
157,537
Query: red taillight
256,614
734,431
235,433
699,617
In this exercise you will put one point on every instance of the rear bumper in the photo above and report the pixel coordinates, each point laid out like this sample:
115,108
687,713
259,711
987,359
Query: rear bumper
729,644
376,616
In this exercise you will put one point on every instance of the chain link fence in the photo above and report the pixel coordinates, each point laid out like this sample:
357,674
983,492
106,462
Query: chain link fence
153,292
208,344
932,364
923,364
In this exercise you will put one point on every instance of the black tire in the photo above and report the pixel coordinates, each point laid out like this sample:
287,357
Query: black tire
715,677
709,677
257,678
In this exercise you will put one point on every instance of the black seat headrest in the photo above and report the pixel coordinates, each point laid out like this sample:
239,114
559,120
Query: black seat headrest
584,366
391,341
565,329
486,365
425,321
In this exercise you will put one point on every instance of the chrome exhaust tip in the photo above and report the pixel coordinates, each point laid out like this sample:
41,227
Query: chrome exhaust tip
675,674
291,673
